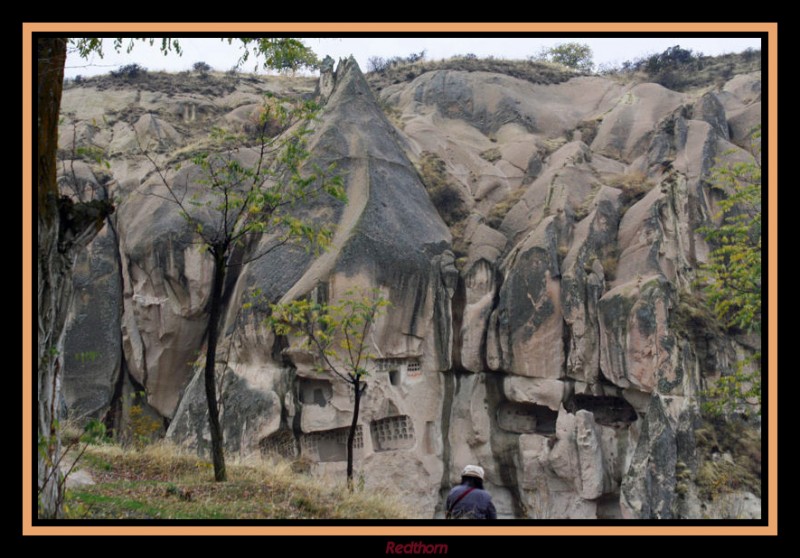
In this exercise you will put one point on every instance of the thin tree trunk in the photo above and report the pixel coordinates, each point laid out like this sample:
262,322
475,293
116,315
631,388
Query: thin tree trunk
352,435
217,450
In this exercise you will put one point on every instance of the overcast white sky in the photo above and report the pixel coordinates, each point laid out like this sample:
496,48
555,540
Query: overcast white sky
222,56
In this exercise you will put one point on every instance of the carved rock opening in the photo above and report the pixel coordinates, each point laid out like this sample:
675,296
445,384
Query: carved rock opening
331,445
315,392
526,418
280,443
400,369
608,410
392,433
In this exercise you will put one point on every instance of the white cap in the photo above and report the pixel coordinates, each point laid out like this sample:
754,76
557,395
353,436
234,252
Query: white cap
473,471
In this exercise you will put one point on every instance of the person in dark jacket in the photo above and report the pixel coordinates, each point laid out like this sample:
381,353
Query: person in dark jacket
469,500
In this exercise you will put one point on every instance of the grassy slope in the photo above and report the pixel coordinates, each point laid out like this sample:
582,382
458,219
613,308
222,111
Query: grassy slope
162,482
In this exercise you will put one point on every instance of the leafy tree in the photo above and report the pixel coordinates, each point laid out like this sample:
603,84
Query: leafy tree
283,53
238,202
339,334
732,276
65,227
571,55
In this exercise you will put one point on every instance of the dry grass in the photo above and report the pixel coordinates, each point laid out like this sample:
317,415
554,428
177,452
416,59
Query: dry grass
609,259
162,481
701,72
501,209
729,455
528,70
443,191
634,186
492,155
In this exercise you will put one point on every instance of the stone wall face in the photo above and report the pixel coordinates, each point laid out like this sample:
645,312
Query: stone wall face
544,348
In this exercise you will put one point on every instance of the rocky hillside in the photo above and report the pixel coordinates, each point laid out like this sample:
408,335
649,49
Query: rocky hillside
537,242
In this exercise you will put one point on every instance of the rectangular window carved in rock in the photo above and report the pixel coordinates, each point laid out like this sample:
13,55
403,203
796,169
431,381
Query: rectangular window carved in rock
331,445
392,433
280,443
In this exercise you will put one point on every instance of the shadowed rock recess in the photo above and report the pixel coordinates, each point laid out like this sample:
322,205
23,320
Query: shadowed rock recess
535,335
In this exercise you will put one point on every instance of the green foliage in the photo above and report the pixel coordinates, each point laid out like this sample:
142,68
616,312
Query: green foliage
94,432
86,356
93,154
94,45
735,392
338,333
239,201
283,53
142,427
277,53
733,274
572,55
732,277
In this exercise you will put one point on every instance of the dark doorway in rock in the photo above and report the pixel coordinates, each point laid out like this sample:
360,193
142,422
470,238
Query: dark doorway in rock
315,392
608,410
608,507
526,418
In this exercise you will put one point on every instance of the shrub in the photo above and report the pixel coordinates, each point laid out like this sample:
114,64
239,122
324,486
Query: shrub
609,261
376,64
380,65
143,427
201,68
674,68
634,186
129,71
751,53
95,433
492,155
501,209
443,193
572,55
671,58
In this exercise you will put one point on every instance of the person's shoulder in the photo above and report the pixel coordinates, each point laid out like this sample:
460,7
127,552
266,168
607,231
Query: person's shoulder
456,488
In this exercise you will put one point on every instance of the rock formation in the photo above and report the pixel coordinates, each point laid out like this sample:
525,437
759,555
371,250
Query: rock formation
538,339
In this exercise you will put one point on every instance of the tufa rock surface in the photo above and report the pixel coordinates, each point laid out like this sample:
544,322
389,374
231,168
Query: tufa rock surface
541,335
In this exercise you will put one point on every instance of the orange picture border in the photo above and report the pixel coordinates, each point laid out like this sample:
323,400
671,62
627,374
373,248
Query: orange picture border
301,29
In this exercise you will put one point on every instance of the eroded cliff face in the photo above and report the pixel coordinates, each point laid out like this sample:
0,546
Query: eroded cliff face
538,340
